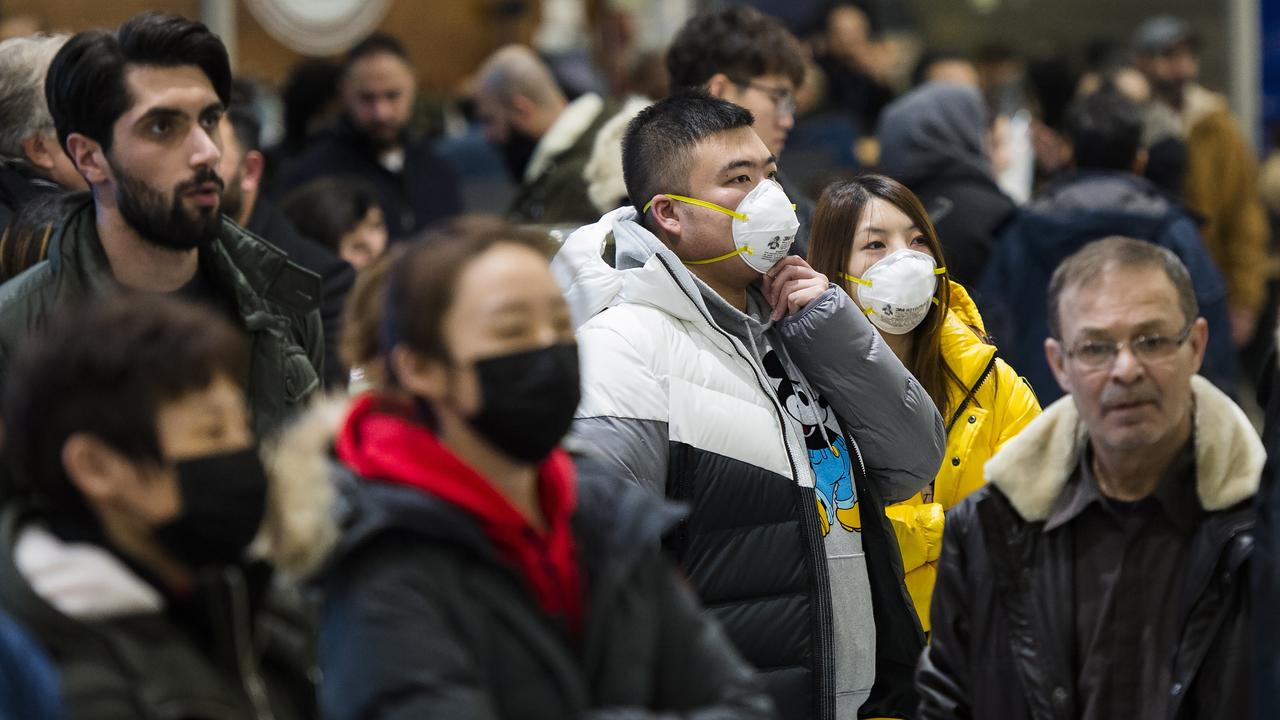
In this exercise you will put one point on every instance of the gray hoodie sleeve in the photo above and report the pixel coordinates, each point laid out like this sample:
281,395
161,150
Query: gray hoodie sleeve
894,422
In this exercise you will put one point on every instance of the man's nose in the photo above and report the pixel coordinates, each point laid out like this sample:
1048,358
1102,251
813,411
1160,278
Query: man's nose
1127,368
206,150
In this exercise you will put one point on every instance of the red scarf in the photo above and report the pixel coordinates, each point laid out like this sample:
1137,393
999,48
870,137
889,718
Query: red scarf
381,444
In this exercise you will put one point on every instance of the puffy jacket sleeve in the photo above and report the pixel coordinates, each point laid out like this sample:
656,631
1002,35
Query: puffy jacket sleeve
388,652
891,417
1016,405
700,672
621,426
942,676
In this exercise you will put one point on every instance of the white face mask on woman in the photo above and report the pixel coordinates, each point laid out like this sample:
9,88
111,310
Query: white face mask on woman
896,292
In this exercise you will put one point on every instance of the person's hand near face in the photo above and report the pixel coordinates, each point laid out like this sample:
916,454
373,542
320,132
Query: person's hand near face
791,285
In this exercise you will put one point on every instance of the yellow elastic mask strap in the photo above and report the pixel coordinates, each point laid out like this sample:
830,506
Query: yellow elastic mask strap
940,271
702,203
726,256
860,281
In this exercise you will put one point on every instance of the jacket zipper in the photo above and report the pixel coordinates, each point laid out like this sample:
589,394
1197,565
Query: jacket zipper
818,557
250,678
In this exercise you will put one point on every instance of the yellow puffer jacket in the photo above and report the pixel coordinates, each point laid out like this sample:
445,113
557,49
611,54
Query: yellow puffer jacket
1002,404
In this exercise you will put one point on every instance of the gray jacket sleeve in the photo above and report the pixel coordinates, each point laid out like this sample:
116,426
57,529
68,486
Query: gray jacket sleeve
892,419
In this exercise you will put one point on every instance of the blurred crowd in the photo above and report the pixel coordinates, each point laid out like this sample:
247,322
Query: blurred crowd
797,369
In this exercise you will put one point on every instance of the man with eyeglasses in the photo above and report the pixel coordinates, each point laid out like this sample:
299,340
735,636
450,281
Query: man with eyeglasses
1103,572
748,58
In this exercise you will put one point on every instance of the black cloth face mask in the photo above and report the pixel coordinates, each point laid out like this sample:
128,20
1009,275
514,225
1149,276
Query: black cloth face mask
224,498
527,400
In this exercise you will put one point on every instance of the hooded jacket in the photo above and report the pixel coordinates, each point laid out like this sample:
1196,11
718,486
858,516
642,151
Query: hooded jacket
575,172
424,618
676,403
993,406
276,303
1003,610
121,654
1071,213
933,141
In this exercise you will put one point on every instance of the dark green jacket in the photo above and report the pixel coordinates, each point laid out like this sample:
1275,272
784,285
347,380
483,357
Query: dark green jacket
257,663
558,195
276,303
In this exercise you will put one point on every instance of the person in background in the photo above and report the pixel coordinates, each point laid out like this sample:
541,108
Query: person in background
722,372
743,56
414,186
847,58
1104,569
1221,171
343,215
547,141
873,235
243,169
312,107
127,557
1104,195
934,141
139,111
955,68
476,575
31,161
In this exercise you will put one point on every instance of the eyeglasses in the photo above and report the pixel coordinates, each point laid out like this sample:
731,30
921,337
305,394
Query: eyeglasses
784,101
1098,354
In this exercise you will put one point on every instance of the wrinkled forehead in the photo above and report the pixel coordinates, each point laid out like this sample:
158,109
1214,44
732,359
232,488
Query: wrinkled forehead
1119,300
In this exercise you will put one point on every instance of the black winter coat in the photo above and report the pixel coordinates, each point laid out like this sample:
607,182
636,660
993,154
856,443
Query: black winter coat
423,620
422,193
969,214
336,275
1002,619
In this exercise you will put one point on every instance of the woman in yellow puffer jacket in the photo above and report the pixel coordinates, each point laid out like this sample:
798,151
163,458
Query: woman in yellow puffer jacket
873,235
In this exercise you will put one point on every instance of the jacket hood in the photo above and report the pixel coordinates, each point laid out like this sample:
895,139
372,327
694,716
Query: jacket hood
963,337
81,580
645,269
606,186
1093,191
318,511
935,130
573,121
1033,467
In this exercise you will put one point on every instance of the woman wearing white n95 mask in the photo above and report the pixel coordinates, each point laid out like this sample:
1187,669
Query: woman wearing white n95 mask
872,235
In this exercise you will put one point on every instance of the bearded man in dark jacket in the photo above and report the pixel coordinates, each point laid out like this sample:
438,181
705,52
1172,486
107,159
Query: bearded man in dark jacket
1104,570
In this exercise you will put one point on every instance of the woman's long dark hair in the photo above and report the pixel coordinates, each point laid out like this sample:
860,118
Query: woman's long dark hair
831,243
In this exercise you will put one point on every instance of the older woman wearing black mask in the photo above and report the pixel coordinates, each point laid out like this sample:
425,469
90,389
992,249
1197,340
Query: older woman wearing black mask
934,140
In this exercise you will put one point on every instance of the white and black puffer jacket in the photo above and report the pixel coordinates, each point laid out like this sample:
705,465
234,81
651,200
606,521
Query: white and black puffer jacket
673,402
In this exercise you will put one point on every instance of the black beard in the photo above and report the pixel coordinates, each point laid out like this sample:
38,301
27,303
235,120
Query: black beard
174,228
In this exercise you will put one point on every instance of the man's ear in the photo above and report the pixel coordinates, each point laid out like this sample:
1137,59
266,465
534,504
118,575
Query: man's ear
39,148
93,467
1056,356
719,86
522,114
664,215
88,157
251,169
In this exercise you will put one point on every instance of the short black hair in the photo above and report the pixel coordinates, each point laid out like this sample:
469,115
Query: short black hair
1106,131
740,42
86,90
327,208
374,44
107,369
658,144
243,115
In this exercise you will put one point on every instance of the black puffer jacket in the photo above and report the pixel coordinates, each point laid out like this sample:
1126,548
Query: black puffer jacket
423,620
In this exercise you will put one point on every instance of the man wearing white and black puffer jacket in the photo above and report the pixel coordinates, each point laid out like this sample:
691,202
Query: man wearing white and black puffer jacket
731,394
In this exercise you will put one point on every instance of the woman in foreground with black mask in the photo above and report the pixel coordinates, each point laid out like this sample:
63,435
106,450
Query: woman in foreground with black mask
476,577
